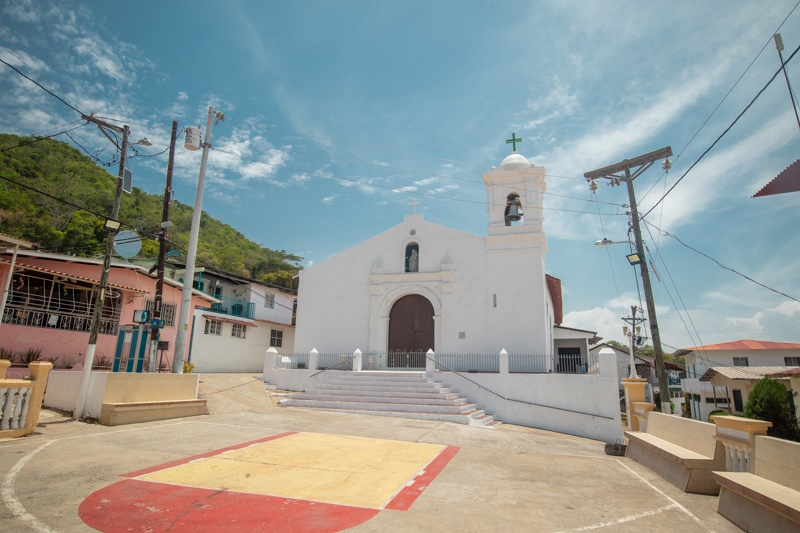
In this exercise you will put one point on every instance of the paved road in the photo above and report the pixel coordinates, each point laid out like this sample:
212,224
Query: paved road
174,475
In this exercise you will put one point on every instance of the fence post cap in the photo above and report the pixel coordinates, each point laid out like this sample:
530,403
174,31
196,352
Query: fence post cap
314,350
357,352
272,350
503,352
430,352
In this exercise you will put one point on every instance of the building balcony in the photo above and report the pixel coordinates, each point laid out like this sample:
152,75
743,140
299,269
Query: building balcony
233,307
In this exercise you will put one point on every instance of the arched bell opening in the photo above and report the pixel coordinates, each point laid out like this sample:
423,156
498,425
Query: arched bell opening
513,213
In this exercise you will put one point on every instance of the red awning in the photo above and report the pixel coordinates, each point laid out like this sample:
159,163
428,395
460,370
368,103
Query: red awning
787,181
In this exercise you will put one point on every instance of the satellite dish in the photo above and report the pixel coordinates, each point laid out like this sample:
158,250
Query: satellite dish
127,244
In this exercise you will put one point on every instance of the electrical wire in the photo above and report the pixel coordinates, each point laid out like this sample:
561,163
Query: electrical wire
45,89
736,83
722,134
668,234
389,187
66,132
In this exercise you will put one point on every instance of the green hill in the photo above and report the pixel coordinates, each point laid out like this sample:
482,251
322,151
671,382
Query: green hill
58,169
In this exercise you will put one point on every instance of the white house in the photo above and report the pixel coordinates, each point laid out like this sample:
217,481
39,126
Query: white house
744,353
420,286
234,335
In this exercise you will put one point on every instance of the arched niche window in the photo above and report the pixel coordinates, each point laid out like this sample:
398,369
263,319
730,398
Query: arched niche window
513,213
412,257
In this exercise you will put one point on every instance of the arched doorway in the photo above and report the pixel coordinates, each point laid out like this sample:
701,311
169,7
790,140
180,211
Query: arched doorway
411,330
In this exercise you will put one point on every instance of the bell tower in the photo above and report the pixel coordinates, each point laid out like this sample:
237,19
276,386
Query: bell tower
517,300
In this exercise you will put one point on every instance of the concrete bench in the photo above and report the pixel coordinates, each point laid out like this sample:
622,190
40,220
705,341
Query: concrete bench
768,499
682,451
133,398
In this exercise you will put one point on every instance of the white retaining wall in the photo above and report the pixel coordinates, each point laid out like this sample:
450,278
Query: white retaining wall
62,391
586,405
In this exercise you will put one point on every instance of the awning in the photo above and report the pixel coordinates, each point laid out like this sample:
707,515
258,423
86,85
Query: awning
232,319
72,276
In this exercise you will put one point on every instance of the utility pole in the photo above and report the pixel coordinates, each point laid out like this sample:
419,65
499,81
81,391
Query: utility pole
88,360
612,173
162,252
188,276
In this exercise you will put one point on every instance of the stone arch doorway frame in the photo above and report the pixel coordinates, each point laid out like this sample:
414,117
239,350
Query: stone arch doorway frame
379,322
411,332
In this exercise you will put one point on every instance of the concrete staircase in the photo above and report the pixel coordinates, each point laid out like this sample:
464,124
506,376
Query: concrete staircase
398,394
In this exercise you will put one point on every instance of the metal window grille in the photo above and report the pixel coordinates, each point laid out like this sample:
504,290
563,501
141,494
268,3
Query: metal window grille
167,312
276,338
213,327
269,300
791,361
58,302
740,361
239,330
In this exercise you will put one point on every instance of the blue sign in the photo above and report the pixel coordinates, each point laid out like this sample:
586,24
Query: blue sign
156,323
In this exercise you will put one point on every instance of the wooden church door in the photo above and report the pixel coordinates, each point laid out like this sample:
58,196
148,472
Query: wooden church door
410,332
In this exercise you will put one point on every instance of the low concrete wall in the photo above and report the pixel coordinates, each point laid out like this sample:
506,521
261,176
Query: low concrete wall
586,405
62,391
127,388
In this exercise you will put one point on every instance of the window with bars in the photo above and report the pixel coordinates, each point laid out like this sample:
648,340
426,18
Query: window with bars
167,312
741,361
213,327
239,331
276,338
791,361
269,300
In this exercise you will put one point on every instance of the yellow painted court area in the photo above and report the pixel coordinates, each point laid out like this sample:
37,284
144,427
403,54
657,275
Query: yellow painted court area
334,469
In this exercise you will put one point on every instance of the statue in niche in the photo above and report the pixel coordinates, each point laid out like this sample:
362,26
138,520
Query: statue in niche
413,261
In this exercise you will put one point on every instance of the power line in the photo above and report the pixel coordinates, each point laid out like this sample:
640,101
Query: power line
389,187
66,132
722,134
726,95
45,89
668,234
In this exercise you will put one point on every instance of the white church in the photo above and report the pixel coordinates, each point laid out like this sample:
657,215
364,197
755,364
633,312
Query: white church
420,286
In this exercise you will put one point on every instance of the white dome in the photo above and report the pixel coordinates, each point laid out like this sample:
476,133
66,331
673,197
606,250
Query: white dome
515,161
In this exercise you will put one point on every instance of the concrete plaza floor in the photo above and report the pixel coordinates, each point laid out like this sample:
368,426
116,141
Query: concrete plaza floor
507,479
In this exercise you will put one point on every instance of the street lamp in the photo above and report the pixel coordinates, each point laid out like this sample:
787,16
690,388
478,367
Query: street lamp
112,225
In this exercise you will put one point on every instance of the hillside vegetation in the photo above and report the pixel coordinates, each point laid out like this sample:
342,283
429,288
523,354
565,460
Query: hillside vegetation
58,169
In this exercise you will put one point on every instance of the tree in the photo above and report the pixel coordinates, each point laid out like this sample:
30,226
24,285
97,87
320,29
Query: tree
769,400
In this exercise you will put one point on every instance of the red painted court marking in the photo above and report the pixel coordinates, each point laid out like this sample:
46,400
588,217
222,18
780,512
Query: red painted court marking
134,505
406,497
206,455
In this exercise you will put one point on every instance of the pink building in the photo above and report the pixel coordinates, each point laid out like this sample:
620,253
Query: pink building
51,302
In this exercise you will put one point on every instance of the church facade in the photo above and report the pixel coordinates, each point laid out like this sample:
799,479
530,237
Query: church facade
421,285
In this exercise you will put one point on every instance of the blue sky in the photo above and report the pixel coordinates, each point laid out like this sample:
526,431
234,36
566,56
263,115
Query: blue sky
340,113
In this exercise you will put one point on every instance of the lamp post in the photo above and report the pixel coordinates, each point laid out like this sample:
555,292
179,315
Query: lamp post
188,275
112,225
613,173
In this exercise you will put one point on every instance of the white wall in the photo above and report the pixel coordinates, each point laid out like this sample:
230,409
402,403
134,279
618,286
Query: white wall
62,391
586,405
226,353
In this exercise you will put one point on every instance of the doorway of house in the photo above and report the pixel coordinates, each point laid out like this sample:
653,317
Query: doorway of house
410,332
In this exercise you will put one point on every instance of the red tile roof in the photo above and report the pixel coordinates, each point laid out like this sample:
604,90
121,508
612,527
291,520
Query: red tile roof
787,181
554,288
745,344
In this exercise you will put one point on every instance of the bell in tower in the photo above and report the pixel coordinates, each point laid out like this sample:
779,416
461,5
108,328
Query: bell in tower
513,209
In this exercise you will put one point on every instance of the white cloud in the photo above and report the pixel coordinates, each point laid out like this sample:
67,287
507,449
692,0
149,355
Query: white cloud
425,182
328,200
182,96
444,188
407,188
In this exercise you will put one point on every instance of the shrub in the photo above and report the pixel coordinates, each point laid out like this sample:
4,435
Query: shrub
102,363
7,354
718,412
29,356
188,367
64,361
769,400
301,365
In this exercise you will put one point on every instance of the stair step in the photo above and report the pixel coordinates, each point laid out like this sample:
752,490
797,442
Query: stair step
466,408
380,399
383,392
384,382
458,418
382,388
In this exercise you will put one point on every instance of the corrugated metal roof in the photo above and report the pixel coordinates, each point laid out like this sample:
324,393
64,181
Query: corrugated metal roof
741,372
787,181
794,371
231,319
744,344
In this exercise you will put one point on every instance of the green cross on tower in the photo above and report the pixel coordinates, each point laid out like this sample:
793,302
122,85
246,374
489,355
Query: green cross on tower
514,140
